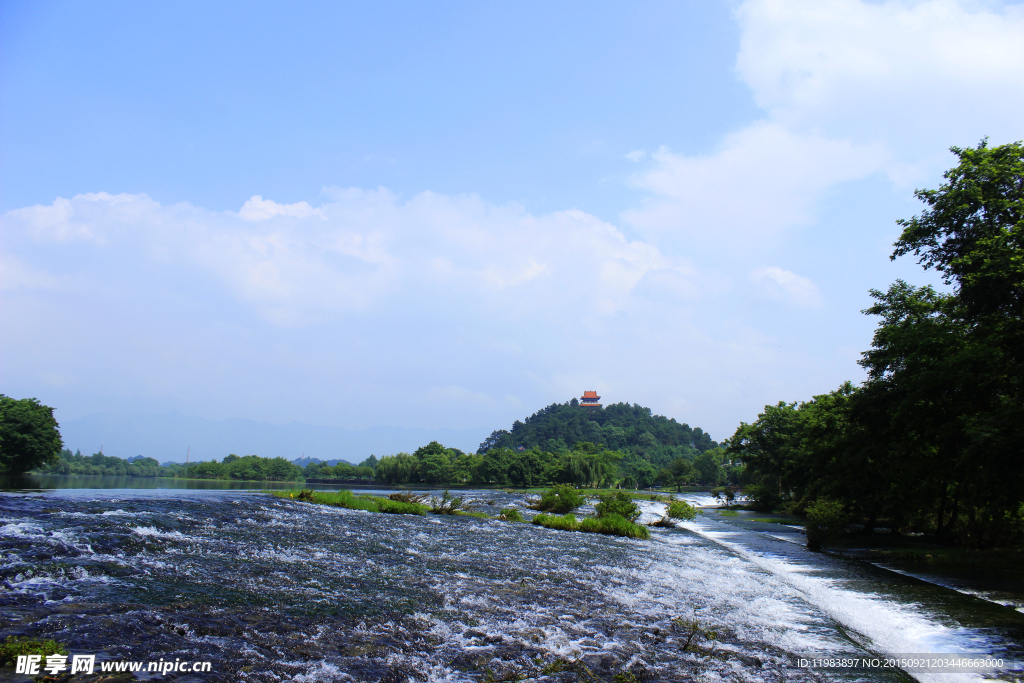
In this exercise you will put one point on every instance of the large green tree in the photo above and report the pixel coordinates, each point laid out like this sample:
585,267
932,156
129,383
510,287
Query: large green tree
29,435
934,439
951,366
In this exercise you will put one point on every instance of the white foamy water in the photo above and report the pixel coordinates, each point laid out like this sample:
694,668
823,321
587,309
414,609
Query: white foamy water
275,590
887,626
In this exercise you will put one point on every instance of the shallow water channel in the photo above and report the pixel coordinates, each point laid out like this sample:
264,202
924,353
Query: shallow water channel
269,589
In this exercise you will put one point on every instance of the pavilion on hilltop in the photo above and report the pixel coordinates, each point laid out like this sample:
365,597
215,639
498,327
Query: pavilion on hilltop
590,400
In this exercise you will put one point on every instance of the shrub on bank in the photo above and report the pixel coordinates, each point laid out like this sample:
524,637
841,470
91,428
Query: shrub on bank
826,521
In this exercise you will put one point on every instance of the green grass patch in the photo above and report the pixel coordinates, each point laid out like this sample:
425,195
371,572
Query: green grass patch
394,507
728,513
610,525
511,515
614,525
470,513
350,501
566,522
14,646
766,520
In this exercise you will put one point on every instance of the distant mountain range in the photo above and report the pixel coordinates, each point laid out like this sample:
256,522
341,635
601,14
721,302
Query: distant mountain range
169,436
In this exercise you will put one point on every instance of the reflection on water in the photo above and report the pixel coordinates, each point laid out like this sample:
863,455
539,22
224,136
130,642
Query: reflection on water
273,590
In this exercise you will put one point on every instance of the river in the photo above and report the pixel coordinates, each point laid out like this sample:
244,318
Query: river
268,590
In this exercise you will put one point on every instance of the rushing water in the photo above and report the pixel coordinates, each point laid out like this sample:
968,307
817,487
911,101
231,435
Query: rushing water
269,589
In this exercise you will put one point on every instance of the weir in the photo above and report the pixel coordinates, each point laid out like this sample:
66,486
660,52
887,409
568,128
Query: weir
269,589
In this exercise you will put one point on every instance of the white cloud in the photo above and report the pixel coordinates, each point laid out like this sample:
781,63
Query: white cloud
16,275
786,286
435,310
365,246
915,74
849,88
762,179
260,209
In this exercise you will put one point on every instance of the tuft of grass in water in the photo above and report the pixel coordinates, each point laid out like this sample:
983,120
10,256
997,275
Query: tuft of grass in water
765,520
614,525
693,632
350,501
394,507
469,513
511,515
610,525
566,522
14,646
728,513
446,504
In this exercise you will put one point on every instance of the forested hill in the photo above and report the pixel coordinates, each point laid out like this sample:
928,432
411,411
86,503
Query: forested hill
619,426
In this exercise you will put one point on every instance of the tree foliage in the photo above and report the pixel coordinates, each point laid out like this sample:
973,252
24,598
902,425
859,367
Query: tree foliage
29,435
247,468
250,467
560,499
934,439
618,503
630,429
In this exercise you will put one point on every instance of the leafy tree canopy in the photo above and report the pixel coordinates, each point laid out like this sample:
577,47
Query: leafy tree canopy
934,439
630,429
29,436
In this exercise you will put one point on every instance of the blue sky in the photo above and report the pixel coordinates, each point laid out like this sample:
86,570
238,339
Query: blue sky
448,215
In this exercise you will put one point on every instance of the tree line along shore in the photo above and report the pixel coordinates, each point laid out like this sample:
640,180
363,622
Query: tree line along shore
547,448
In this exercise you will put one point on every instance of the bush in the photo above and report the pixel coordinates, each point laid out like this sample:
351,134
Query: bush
445,505
29,435
613,525
618,503
14,646
560,499
681,510
511,515
678,510
566,522
826,521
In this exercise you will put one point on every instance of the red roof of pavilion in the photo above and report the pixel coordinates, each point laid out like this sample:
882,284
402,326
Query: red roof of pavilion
590,394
